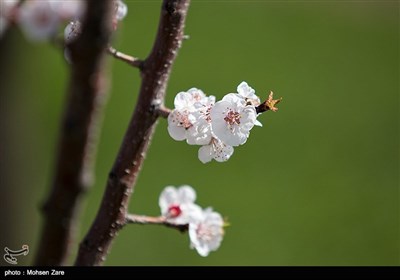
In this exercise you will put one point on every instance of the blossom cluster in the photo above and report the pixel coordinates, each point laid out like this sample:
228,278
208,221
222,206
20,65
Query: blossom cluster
217,126
40,20
205,225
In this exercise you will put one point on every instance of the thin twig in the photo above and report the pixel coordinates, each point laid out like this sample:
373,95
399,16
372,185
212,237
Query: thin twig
155,73
146,220
164,112
78,136
133,61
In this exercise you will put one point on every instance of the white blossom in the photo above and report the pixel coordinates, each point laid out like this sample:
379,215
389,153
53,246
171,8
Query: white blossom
120,10
248,93
206,232
180,120
38,20
232,119
69,9
201,120
179,125
217,150
177,204
217,127
186,100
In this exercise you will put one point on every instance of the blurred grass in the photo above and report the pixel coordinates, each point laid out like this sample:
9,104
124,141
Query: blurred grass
317,185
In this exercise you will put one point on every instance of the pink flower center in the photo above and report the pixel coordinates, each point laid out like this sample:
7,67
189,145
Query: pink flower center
42,18
197,96
174,211
183,120
205,233
232,118
208,114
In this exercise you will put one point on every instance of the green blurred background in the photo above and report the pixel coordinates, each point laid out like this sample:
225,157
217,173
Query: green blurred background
317,185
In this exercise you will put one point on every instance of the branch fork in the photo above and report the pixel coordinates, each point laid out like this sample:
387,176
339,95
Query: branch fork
132,61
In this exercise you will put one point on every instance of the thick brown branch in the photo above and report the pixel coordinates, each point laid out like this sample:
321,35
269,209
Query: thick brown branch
77,140
133,61
122,178
146,220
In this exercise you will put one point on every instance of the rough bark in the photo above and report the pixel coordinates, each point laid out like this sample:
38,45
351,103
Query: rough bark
155,71
77,140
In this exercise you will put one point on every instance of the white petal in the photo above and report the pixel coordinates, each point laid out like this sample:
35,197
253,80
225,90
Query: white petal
175,127
186,194
193,212
246,126
245,90
203,249
231,134
226,134
186,100
194,241
241,137
196,94
233,98
69,10
121,10
257,123
183,100
248,93
178,133
206,233
248,119
205,153
209,100
190,212
223,152
38,20
180,100
199,139
167,197
250,112
199,134
220,108
213,217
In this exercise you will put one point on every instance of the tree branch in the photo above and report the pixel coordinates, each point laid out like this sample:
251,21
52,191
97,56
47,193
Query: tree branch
146,220
77,140
122,178
133,61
